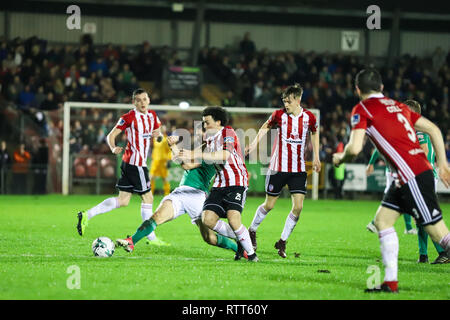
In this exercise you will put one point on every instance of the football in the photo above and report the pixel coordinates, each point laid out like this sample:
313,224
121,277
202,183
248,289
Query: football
103,247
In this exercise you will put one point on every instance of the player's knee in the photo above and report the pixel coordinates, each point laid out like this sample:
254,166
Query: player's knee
381,225
123,202
209,221
297,210
208,239
268,205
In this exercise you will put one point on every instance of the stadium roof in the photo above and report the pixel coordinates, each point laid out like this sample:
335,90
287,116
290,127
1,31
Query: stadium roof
434,16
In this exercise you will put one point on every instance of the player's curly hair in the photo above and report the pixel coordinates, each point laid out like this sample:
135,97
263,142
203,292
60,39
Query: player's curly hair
217,113
296,90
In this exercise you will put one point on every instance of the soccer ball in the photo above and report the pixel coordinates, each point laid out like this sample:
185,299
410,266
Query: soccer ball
103,247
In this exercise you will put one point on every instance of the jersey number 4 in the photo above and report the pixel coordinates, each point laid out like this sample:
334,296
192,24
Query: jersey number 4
411,133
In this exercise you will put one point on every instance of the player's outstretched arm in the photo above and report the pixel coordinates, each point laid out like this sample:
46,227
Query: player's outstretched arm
261,133
352,149
111,140
209,157
172,142
425,125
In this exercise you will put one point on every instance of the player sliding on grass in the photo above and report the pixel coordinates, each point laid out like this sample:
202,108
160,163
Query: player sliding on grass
140,124
287,165
390,126
187,198
228,194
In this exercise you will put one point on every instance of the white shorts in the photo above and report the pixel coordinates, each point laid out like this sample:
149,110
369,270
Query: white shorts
188,200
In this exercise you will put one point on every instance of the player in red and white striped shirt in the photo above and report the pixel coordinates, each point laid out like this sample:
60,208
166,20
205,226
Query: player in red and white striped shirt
287,165
139,124
228,194
232,172
391,126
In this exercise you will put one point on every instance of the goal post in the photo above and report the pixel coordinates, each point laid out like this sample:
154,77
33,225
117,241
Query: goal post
245,118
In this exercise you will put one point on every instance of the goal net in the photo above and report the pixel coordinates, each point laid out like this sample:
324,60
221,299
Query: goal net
88,166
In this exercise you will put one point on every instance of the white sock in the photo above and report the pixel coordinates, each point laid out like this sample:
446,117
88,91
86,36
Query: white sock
260,215
389,252
289,225
244,238
224,229
146,213
445,243
105,206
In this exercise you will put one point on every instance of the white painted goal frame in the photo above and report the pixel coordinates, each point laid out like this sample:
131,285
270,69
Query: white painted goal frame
80,105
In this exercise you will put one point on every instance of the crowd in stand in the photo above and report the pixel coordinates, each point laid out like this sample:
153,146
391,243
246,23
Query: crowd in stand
36,77
257,77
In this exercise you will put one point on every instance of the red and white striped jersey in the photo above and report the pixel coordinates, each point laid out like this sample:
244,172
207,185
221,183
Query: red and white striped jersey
233,172
390,126
138,127
288,152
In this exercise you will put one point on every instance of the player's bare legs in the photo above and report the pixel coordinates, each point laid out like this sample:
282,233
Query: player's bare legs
147,197
211,219
208,235
221,237
242,235
438,232
385,218
147,213
259,216
122,200
297,203
164,212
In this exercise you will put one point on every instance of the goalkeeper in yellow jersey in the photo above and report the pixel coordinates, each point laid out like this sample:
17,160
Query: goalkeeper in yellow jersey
161,156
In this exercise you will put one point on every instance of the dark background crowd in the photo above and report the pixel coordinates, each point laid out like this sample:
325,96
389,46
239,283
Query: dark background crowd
36,78
256,78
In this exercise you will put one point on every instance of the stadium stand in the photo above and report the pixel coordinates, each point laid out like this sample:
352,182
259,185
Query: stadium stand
36,78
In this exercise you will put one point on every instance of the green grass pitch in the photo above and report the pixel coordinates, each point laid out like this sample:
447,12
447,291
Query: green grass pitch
41,249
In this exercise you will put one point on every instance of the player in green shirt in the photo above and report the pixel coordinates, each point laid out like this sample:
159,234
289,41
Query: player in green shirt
188,198
427,147
390,177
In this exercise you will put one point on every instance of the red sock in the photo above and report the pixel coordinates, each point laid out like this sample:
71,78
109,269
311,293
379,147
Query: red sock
392,284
